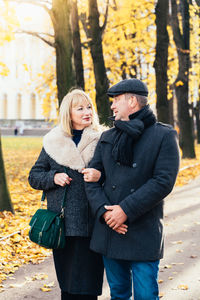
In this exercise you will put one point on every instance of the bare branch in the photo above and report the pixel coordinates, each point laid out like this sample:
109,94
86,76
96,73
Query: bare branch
115,5
38,35
105,18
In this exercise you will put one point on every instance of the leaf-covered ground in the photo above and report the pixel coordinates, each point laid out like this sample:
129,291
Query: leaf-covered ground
19,155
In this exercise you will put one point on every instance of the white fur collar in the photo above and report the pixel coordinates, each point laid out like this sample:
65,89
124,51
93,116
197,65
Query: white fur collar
60,147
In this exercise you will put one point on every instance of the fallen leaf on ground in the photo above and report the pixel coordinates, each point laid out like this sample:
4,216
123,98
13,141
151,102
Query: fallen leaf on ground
167,267
45,289
50,284
17,285
39,276
182,287
177,242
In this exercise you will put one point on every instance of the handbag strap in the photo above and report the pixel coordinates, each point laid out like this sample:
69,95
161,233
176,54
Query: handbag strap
64,197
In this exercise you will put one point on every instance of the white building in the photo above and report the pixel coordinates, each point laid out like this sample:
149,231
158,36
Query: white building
24,58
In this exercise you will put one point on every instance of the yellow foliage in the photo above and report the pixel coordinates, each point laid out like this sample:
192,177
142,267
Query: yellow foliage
4,71
8,22
25,67
46,87
179,83
188,174
18,249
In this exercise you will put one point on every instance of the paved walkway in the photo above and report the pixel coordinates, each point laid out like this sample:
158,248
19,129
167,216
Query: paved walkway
179,270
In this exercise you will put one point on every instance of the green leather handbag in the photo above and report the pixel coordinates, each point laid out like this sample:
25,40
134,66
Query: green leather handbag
47,227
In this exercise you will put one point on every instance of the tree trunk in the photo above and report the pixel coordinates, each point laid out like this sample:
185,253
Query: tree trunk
197,118
101,79
5,201
181,83
171,111
78,61
161,61
60,15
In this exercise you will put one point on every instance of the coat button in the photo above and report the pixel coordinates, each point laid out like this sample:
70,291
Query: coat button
134,165
114,187
132,190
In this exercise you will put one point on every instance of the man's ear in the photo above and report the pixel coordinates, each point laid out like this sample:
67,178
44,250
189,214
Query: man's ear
133,101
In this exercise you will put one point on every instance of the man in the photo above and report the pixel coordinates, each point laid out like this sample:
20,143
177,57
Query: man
139,160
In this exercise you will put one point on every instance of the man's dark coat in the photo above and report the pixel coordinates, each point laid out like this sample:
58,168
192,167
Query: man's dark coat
139,190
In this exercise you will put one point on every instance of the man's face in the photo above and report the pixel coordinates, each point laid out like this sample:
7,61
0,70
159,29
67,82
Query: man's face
121,107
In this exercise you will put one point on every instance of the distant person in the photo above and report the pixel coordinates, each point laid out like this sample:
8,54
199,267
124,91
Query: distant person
16,131
139,159
71,144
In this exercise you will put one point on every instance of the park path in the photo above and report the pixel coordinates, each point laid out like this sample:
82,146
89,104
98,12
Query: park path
179,270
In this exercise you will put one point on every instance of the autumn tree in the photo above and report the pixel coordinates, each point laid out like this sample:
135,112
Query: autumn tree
7,35
94,34
78,60
129,42
5,200
59,12
182,41
161,61
197,119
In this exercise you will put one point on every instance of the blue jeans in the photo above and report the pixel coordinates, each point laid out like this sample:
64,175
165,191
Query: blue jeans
121,273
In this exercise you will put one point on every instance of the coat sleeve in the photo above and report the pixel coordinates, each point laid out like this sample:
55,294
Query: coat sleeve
41,177
94,190
160,184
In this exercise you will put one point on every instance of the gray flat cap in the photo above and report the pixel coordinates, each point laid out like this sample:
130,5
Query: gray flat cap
133,85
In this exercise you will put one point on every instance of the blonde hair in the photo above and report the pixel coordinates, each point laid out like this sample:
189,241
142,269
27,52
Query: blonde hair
74,98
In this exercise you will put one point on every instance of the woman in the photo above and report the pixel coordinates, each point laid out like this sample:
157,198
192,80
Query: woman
70,146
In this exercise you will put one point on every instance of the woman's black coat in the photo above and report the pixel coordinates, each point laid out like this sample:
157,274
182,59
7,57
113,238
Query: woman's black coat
139,190
60,151
79,270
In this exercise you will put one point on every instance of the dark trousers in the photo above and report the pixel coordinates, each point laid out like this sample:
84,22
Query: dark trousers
67,296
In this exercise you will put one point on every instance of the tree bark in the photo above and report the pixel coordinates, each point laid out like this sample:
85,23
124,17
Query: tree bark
197,118
78,61
65,74
161,61
181,83
96,49
5,201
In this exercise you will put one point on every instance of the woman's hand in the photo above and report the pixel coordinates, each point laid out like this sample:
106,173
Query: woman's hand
91,175
62,179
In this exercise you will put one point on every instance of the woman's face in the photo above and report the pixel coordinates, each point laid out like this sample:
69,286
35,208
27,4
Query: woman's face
81,115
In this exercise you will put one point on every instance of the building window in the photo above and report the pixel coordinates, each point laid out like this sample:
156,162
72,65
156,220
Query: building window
19,106
33,106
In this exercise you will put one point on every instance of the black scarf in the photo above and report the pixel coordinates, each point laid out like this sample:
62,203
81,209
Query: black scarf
128,132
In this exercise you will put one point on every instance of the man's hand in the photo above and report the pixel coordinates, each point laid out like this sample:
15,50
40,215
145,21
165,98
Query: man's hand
91,174
115,217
